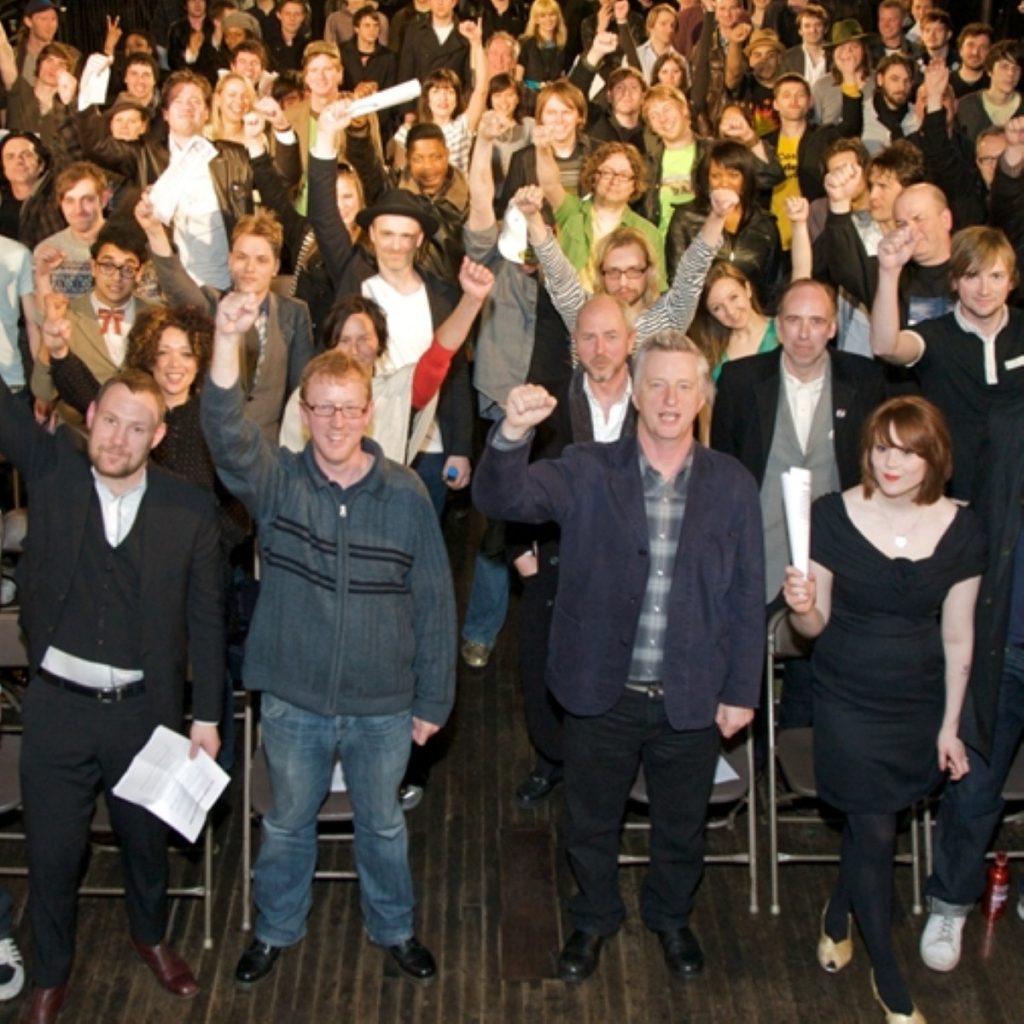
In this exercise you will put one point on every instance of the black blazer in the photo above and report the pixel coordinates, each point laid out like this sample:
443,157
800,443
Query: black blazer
181,585
743,420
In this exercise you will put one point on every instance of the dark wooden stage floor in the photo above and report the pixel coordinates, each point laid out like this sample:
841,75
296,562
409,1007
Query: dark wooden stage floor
491,883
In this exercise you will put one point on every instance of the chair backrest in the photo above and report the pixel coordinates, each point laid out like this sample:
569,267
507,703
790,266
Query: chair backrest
783,640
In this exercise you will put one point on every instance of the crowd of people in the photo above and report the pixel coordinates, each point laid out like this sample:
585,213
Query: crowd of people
619,266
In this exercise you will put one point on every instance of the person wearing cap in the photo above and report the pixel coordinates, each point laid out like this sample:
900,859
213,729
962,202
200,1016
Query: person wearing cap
40,21
755,88
415,300
851,71
371,591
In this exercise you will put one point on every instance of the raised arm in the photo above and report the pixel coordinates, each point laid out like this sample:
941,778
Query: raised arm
548,176
887,340
8,63
798,210
477,101
481,175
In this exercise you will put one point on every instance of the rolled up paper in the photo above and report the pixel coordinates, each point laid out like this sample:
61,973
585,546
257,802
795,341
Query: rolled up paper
404,92
796,498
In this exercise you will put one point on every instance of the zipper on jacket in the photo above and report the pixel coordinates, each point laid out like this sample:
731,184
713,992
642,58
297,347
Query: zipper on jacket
343,511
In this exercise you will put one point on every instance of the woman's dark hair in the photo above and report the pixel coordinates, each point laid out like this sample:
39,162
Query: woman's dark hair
148,329
349,305
502,83
707,330
736,157
920,428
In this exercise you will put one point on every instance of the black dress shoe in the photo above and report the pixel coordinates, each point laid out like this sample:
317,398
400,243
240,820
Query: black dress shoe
683,956
414,959
579,956
256,963
535,789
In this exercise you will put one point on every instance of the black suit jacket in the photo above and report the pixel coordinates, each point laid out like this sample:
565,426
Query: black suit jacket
181,585
743,421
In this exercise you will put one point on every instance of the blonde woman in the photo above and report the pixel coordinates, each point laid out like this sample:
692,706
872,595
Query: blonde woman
542,48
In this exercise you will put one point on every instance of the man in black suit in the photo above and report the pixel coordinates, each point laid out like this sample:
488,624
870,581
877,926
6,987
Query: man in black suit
801,405
121,596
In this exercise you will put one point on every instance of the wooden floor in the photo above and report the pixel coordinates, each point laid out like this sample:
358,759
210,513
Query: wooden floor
491,883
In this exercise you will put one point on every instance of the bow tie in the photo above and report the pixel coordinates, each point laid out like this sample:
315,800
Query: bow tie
108,317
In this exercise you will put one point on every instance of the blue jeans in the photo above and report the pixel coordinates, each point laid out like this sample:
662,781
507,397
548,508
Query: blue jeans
488,600
300,746
971,808
429,466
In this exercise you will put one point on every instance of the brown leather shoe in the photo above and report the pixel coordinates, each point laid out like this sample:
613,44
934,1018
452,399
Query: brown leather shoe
169,969
46,1004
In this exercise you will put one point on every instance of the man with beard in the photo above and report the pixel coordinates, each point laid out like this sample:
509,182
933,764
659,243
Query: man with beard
889,114
121,600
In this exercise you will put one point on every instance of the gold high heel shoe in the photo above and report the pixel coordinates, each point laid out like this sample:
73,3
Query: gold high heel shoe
834,956
914,1017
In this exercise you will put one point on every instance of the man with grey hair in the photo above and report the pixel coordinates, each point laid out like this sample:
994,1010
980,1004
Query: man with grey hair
661,549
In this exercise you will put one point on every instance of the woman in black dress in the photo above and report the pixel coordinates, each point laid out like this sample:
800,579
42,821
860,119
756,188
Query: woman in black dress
895,568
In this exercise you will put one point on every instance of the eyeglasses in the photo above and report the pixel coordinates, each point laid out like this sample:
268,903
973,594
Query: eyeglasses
326,410
616,176
110,269
629,273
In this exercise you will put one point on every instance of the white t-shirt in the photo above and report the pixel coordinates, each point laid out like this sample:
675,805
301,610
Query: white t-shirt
15,281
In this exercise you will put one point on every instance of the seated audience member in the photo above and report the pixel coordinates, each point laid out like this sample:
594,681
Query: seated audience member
810,58
281,341
661,23
972,47
190,42
542,49
751,236
98,323
63,261
1001,100
251,60
613,176
286,35
364,57
442,103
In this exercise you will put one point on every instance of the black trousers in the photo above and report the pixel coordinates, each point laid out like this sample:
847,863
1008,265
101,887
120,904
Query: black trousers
72,746
602,756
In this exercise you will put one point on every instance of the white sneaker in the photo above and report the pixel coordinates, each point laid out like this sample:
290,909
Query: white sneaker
941,941
12,973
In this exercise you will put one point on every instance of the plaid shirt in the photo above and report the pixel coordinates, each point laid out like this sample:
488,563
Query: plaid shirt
665,505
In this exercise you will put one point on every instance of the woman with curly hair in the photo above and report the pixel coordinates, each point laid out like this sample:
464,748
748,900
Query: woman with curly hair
613,176
174,347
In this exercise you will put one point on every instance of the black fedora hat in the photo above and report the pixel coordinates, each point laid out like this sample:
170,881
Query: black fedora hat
400,202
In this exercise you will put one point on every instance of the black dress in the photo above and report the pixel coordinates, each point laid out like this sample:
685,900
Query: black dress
879,665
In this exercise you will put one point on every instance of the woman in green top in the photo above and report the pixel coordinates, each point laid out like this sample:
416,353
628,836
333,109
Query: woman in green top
613,176
729,323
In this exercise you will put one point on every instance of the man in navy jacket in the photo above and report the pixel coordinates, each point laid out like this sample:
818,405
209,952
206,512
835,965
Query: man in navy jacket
657,632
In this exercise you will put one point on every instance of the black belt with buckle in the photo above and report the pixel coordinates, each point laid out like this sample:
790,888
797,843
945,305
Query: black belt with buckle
656,691
106,695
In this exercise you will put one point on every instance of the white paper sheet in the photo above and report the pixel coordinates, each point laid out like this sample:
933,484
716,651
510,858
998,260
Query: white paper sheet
796,497
177,790
404,92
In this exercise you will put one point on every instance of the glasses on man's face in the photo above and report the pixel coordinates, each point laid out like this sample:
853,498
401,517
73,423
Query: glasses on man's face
326,410
110,269
618,177
616,274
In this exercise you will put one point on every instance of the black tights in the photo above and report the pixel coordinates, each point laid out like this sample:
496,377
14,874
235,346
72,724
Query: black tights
864,888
